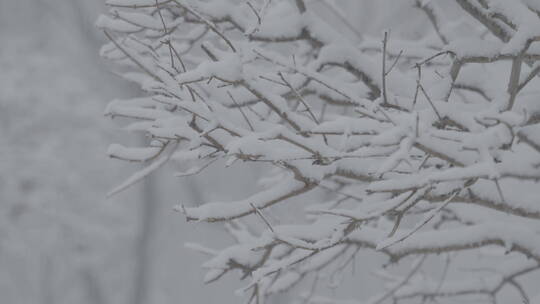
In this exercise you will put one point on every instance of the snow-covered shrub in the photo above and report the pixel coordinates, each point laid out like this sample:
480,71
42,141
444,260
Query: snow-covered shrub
418,149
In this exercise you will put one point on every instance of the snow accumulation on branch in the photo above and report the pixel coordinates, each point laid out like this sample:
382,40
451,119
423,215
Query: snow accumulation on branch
415,147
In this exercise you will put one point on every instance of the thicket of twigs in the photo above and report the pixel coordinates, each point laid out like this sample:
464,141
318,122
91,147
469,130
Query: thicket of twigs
424,147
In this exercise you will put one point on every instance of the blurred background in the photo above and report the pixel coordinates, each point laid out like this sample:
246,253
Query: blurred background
61,240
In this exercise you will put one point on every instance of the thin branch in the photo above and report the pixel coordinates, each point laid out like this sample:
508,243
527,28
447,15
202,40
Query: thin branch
259,213
208,23
241,111
430,102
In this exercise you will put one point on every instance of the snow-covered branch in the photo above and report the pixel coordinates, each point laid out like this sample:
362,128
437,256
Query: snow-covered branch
413,147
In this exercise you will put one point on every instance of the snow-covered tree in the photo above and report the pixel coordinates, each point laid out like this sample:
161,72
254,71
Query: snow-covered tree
420,144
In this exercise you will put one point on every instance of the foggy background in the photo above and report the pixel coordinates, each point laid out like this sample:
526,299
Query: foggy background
61,240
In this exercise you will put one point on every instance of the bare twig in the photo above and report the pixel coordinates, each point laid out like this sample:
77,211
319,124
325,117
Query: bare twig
258,211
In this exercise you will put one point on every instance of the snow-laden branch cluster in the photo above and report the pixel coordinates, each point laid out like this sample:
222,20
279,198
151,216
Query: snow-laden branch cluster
421,147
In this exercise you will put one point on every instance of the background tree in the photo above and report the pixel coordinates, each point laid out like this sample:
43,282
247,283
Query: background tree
420,145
